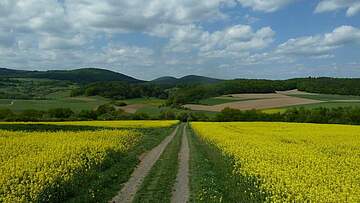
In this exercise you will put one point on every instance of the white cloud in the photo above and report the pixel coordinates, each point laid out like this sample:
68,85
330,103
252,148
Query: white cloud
54,42
34,16
139,15
232,41
320,45
265,5
352,6
317,47
131,55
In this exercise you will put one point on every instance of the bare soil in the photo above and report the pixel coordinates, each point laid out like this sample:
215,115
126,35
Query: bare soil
132,108
295,92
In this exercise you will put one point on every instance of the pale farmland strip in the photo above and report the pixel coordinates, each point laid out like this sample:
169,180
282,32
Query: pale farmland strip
127,193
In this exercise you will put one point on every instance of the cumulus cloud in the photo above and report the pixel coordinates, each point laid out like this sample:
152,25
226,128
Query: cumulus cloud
232,41
352,6
130,55
55,42
320,45
317,47
139,15
265,5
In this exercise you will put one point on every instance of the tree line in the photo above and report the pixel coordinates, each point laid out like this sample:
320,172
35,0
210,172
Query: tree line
120,90
194,93
340,115
103,112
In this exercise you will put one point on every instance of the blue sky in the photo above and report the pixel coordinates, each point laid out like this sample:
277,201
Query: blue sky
273,39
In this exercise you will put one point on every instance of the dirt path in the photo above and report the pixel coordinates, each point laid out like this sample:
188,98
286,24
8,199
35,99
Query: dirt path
127,193
181,190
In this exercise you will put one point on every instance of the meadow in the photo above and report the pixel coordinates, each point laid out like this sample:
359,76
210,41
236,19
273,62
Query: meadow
276,162
74,103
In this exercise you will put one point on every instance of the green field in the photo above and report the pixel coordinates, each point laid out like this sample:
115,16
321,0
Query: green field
222,100
326,97
75,103
149,101
312,106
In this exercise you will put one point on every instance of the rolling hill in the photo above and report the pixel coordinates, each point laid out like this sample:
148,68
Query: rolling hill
189,79
84,75
89,75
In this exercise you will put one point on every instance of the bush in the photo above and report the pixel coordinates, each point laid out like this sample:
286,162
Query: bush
105,108
119,103
167,115
61,113
5,113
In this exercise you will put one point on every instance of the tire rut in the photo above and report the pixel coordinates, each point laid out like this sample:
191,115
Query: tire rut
127,193
181,190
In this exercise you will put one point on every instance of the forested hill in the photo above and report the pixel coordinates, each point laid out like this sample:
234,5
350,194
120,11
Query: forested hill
189,79
84,75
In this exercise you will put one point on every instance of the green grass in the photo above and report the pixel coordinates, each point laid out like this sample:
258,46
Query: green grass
329,105
212,179
149,101
210,114
222,100
34,79
152,111
59,94
326,97
158,184
75,103
215,101
312,106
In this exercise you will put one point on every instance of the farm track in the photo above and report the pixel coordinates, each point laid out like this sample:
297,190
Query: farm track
127,193
181,190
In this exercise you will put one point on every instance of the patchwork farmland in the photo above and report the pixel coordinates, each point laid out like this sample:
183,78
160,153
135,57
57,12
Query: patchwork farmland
278,100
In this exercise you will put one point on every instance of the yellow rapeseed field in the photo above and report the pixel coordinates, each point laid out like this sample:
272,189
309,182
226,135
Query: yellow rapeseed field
292,162
33,162
112,124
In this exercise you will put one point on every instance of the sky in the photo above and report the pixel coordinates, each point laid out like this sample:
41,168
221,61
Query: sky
146,39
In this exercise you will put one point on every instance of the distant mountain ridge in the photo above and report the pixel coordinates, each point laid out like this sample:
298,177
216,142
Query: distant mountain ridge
83,75
189,79
89,75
